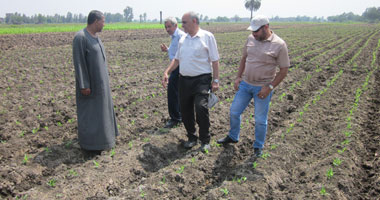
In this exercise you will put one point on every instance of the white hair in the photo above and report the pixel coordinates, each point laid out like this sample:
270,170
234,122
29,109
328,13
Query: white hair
171,20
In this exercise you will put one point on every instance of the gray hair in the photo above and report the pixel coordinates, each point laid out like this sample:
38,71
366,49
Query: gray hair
171,20
194,15
93,16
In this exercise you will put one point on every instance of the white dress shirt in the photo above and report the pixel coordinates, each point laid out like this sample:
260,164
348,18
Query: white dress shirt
196,54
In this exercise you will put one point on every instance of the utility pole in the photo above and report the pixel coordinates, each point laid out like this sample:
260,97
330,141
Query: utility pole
160,17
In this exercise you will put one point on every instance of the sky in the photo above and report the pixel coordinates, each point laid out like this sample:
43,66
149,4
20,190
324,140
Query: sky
176,8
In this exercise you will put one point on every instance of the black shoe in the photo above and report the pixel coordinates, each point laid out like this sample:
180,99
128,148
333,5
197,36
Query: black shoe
205,147
226,140
257,152
189,144
171,124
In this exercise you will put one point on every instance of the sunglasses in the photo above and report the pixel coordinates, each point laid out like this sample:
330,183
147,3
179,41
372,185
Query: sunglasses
258,29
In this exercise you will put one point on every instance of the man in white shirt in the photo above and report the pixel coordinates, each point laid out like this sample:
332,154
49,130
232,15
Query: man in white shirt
173,99
198,57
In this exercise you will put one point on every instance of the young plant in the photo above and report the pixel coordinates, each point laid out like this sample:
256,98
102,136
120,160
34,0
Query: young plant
95,163
225,191
112,153
26,159
254,165
323,191
181,169
330,173
52,182
163,180
337,162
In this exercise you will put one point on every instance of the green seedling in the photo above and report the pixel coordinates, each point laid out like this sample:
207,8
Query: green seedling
96,163
163,180
342,151
323,191
193,160
68,143
52,182
34,131
265,156
181,169
112,153
26,159
273,146
337,162
225,191
142,194
146,139
130,144
22,134
346,142
47,150
72,172
348,133
254,165
46,128
330,173
59,124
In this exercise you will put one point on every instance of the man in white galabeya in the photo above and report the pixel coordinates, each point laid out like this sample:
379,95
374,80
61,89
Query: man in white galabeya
256,78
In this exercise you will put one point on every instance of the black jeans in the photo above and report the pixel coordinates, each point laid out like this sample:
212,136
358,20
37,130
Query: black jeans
173,99
193,93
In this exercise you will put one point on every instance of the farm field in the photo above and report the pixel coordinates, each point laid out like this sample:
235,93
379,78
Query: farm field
323,133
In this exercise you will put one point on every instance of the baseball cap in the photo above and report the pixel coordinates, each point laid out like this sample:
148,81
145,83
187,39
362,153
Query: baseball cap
257,22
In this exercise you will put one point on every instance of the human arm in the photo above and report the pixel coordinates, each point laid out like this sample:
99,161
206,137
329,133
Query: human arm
172,66
240,72
215,71
164,48
80,64
265,90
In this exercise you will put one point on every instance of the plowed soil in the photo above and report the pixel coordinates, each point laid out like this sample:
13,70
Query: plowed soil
322,143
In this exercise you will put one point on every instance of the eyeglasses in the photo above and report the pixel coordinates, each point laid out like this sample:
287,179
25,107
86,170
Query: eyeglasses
258,29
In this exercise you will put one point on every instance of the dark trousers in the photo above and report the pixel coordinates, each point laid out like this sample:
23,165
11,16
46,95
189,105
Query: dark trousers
173,99
193,95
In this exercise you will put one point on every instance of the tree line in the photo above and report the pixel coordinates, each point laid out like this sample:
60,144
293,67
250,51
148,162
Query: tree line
369,15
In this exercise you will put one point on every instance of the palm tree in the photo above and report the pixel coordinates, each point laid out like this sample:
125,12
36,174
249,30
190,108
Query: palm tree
252,5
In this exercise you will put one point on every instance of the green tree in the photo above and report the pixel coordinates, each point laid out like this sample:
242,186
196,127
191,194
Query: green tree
252,5
128,14
236,18
372,14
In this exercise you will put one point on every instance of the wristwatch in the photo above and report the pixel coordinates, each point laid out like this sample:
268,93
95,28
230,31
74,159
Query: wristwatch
216,80
270,86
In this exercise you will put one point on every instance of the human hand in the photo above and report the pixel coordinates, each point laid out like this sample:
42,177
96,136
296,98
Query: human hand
214,86
165,80
237,83
85,91
164,48
264,92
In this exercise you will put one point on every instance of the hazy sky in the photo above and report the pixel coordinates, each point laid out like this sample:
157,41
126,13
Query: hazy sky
211,8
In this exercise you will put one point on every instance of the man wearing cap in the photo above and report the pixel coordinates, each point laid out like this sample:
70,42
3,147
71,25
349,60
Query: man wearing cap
263,53
173,100
198,57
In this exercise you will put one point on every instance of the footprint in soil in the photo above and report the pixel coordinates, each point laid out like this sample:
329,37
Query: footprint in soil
154,158
68,153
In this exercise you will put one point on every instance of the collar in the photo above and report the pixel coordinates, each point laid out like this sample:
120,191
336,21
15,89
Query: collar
270,37
200,33
175,34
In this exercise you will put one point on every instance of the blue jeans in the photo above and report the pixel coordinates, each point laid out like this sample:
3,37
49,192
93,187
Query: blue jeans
242,98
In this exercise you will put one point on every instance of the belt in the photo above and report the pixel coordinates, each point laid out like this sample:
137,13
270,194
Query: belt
193,77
